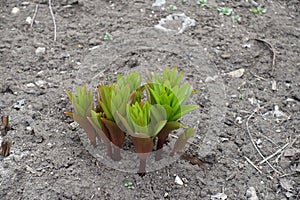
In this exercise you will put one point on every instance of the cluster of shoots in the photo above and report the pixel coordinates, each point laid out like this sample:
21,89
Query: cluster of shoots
147,114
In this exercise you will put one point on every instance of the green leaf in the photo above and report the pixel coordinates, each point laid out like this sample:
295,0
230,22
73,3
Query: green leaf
184,110
125,123
158,127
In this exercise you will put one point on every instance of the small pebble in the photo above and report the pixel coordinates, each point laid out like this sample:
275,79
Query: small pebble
28,20
237,73
25,3
225,56
29,129
239,120
158,3
178,180
251,194
210,79
274,85
40,51
219,196
15,10
41,83
30,85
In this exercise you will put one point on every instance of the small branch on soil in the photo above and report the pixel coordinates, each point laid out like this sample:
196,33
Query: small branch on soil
274,154
259,77
269,45
252,141
34,15
267,138
285,175
53,19
253,165
253,3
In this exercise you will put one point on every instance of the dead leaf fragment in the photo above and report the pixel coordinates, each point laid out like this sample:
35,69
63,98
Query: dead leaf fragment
5,146
219,196
236,73
291,152
251,194
286,184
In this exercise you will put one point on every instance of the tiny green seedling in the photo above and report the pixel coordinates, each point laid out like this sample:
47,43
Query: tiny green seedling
241,97
184,1
108,36
236,18
225,11
129,185
172,7
202,2
258,10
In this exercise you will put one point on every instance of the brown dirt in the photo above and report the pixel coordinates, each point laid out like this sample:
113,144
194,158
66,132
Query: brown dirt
51,162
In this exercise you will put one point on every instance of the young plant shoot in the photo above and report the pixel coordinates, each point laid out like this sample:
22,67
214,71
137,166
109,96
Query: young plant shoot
121,108
83,103
166,90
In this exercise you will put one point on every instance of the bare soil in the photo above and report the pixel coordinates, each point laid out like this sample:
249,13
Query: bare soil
260,108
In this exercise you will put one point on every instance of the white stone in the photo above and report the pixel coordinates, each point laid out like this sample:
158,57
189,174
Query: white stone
219,196
30,85
158,3
15,10
28,128
237,73
251,193
210,79
40,51
178,180
40,83
274,85
28,20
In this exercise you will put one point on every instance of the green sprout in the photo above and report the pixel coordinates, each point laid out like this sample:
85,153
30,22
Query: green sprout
172,7
241,97
202,2
236,18
258,10
129,185
83,103
184,1
143,122
225,11
166,90
108,36
144,113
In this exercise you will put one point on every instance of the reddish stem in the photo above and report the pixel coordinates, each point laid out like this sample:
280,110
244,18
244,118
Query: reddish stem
159,149
117,154
142,168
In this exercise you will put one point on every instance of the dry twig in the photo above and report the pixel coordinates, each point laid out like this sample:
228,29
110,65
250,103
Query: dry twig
34,15
53,19
274,154
253,143
251,163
